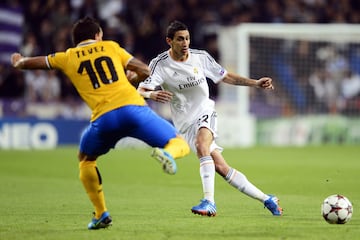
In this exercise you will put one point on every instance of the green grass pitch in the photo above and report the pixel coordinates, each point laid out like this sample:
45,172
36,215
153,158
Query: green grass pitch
42,198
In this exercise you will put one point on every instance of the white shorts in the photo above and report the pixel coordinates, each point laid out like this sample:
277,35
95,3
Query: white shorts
209,120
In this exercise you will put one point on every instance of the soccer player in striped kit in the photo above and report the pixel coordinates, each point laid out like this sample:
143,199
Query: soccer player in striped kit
181,72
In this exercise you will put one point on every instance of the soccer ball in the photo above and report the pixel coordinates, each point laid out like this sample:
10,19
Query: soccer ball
337,209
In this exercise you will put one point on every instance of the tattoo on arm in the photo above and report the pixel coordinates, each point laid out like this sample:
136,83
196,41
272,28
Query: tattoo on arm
239,80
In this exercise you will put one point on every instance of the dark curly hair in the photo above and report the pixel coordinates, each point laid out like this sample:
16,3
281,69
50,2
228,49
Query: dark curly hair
85,28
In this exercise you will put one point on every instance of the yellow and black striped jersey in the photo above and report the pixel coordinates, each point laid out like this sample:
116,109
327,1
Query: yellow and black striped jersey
96,69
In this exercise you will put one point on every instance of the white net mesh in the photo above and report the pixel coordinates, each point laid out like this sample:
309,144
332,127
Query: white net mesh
316,73
315,68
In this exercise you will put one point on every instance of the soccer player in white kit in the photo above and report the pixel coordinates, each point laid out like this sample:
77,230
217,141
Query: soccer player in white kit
181,73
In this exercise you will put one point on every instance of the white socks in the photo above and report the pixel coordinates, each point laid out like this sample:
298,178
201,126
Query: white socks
233,177
239,181
207,174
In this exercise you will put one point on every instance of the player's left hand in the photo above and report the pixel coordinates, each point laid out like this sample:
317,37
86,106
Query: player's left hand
265,83
15,58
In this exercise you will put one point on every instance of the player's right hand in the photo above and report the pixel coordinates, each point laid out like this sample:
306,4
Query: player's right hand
161,96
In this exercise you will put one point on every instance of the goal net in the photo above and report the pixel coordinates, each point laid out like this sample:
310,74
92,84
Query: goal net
315,70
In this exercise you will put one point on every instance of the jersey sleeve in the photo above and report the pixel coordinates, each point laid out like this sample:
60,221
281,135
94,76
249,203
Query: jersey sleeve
155,79
213,70
124,55
56,60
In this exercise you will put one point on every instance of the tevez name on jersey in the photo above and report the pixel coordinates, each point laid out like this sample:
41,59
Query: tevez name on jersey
96,68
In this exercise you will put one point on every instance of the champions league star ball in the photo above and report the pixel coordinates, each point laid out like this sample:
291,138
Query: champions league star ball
337,209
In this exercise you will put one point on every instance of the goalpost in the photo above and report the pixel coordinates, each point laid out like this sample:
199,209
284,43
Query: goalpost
315,69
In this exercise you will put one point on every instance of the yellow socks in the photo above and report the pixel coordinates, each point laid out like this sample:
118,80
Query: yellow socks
177,147
91,180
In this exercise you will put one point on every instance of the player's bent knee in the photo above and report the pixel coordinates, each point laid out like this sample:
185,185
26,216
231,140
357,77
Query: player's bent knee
85,157
202,149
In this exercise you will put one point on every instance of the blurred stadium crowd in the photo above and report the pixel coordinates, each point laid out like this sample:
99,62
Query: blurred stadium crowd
44,26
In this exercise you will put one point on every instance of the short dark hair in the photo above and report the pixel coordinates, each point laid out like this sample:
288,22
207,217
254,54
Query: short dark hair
85,28
174,27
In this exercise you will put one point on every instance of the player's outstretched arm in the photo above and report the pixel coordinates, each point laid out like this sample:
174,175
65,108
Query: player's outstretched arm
20,62
141,69
234,79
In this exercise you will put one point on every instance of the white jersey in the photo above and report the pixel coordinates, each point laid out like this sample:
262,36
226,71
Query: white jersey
187,81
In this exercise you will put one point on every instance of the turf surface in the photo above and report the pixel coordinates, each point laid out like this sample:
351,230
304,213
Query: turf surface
42,198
